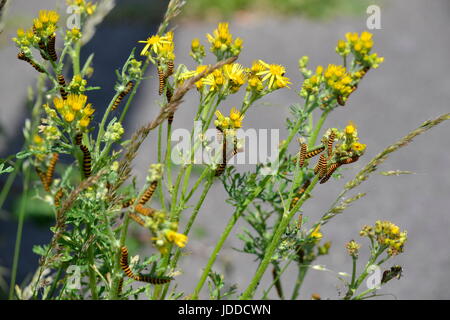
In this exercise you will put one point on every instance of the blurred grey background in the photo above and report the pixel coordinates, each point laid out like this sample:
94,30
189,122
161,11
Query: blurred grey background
411,86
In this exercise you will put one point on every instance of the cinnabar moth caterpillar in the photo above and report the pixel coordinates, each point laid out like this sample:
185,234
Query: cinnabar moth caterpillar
62,84
144,211
58,195
78,138
51,47
124,263
137,219
314,152
127,203
122,95
330,171
350,160
87,161
152,280
51,169
169,94
302,155
330,142
170,67
22,56
119,287
162,80
299,194
149,192
321,167
221,167
43,178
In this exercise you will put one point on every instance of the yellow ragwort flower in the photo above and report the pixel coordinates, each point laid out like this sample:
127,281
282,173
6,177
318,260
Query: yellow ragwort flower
236,117
178,238
275,74
155,43
350,129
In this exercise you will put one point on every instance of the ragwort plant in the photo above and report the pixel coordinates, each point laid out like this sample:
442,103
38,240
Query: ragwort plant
95,198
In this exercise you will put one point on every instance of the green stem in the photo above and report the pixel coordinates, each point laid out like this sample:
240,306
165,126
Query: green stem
248,293
302,270
319,124
116,269
22,210
192,218
91,265
352,283
7,187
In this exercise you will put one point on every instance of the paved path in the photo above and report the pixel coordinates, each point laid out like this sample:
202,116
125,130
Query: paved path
410,87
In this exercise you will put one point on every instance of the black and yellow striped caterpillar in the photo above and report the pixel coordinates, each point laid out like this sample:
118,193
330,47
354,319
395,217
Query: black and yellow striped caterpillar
58,196
119,287
139,277
124,262
330,142
152,280
299,194
137,219
51,47
148,193
350,160
221,167
331,169
62,84
162,80
22,56
148,212
170,67
127,203
43,178
169,95
302,154
87,161
78,138
314,152
321,165
51,169
122,95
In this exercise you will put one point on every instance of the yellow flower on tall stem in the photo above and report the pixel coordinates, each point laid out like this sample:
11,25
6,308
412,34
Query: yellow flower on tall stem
178,238
155,43
275,74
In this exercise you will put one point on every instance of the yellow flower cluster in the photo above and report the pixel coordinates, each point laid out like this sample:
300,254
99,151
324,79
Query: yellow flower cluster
348,145
197,50
78,84
75,109
386,234
73,34
178,238
43,27
222,44
338,80
234,121
228,79
311,85
45,24
353,248
360,46
84,7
